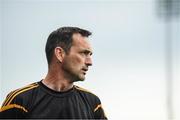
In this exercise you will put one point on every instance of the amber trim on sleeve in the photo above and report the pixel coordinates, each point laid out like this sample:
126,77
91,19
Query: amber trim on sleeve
13,106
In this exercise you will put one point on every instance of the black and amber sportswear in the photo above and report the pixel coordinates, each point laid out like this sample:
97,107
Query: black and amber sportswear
38,101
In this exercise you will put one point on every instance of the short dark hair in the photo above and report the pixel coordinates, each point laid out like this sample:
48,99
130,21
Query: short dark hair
62,37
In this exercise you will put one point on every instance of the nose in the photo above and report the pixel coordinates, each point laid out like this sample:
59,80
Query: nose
88,61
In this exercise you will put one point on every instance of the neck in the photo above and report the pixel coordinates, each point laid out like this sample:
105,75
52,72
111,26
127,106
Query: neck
56,81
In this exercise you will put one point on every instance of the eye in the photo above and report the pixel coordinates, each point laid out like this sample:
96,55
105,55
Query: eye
86,53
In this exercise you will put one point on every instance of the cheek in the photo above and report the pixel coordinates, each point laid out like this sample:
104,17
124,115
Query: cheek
74,62
77,60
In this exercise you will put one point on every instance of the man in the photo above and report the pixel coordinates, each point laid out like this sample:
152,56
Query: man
68,55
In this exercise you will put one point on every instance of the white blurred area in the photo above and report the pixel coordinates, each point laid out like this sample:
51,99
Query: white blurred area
129,69
0,51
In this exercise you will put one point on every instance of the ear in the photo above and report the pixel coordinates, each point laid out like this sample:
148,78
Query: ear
59,53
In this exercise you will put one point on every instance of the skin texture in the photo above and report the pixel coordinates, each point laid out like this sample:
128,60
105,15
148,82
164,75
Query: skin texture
70,67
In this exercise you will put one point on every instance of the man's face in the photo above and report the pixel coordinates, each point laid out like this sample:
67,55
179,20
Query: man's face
77,61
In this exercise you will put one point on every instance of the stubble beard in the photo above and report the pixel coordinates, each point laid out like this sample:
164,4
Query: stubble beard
72,76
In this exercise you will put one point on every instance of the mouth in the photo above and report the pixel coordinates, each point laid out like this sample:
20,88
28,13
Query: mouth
84,70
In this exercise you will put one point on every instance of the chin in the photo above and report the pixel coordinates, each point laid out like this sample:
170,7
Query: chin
80,78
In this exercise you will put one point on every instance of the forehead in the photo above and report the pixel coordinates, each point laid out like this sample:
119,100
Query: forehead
80,41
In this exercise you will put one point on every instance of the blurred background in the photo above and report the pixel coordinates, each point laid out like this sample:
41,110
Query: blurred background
136,43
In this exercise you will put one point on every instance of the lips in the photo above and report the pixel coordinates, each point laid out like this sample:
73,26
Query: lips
84,70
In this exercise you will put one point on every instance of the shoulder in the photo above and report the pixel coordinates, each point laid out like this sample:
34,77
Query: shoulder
93,101
88,94
18,94
85,91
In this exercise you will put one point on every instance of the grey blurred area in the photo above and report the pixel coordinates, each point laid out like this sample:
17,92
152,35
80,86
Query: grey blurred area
168,9
169,12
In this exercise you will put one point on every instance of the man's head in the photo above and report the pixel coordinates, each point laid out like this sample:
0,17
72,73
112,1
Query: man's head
69,48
